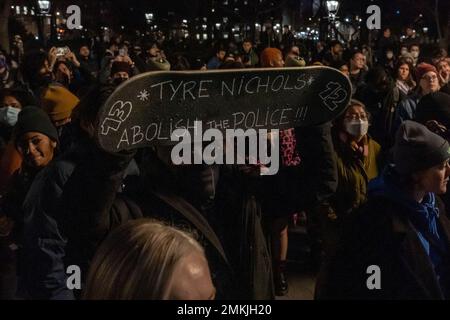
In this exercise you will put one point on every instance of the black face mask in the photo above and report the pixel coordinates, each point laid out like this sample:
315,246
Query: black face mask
118,81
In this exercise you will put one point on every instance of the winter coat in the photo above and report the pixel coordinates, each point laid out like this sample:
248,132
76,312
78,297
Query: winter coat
354,173
406,109
250,59
383,237
11,203
69,209
82,189
238,207
357,80
13,232
318,171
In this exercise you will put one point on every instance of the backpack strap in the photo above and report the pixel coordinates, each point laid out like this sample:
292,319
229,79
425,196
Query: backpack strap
196,218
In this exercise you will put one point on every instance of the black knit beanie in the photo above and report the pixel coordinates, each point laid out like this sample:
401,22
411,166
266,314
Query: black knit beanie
120,66
416,148
34,119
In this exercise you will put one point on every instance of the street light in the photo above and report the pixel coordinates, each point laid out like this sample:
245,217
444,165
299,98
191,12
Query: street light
149,17
44,6
44,10
332,7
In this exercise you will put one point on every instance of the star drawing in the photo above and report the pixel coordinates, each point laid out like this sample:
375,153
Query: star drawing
143,95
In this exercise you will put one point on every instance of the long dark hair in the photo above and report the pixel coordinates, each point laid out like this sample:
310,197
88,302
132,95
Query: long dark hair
410,81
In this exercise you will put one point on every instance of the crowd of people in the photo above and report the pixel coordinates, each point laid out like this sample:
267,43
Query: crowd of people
371,184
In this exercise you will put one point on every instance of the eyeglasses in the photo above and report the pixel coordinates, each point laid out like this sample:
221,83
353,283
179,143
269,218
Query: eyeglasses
430,78
362,117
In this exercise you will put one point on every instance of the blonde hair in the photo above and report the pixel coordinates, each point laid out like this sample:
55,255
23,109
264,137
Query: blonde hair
137,260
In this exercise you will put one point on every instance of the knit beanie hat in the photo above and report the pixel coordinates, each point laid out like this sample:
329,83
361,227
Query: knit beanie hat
58,102
294,62
34,119
158,64
269,55
423,68
416,148
120,66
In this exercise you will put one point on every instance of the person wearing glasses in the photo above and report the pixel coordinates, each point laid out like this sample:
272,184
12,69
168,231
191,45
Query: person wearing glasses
357,158
427,78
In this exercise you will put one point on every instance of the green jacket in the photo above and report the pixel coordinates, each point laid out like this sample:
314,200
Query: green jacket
251,59
354,173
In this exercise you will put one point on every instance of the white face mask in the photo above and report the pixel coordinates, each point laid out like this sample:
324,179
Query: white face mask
356,128
8,115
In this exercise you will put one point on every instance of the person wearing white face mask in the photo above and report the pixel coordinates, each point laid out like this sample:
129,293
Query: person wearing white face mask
8,115
10,106
358,160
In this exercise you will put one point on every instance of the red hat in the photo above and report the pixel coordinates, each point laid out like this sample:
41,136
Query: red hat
423,68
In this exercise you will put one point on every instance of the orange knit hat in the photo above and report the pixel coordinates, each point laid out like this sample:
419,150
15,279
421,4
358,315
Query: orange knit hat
58,102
